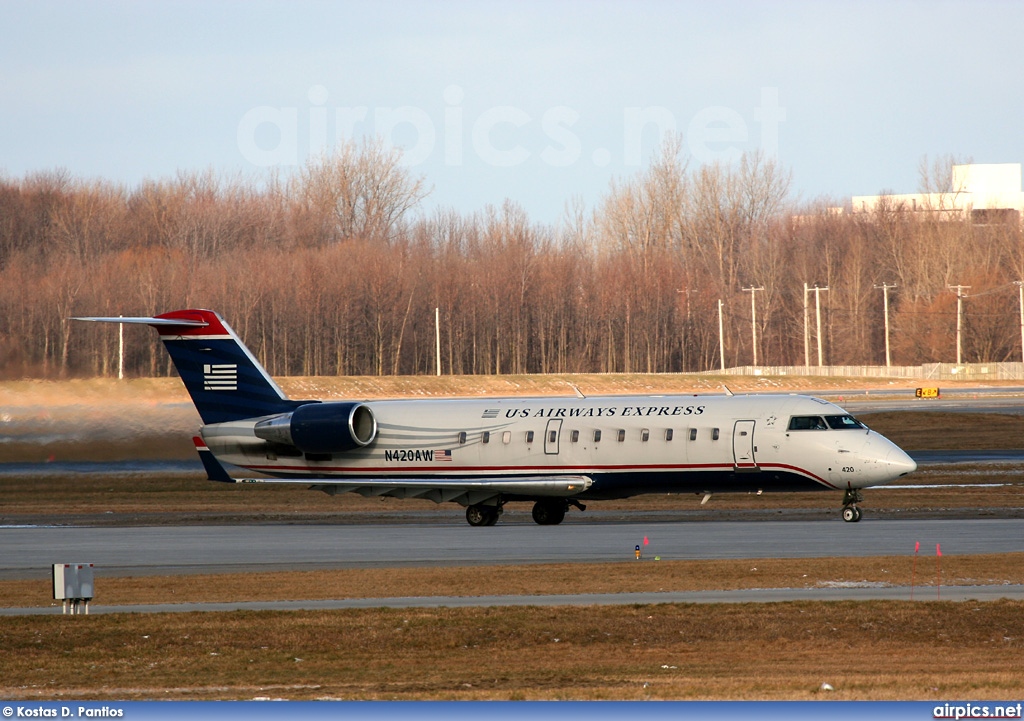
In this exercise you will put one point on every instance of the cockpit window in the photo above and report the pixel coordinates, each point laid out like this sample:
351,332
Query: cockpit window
807,423
844,423
817,423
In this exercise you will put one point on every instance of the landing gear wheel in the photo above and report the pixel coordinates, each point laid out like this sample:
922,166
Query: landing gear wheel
549,512
853,496
482,515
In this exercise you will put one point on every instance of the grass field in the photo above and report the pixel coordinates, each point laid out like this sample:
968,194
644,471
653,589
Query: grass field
872,650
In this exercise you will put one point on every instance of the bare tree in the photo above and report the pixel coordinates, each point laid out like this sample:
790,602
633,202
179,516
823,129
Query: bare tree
359,190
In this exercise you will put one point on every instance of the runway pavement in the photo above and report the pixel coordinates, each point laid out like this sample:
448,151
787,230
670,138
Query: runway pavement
29,552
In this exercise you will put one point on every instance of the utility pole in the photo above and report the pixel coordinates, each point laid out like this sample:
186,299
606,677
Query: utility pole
120,350
753,317
817,313
721,337
807,332
960,295
686,327
437,336
1020,287
885,304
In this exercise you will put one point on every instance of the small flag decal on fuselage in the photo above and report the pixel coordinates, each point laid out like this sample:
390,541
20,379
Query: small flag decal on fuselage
491,413
442,456
220,377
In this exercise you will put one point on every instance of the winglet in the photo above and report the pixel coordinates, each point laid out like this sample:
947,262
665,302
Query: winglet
214,470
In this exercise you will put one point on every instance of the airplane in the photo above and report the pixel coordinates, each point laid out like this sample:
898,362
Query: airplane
485,452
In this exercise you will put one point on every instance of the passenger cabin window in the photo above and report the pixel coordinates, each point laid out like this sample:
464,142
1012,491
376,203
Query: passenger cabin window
552,436
506,437
622,435
529,436
693,434
807,423
714,434
645,434
486,437
462,437
597,436
574,436
668,434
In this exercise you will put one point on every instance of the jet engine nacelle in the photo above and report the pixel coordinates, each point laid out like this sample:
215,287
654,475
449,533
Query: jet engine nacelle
321,427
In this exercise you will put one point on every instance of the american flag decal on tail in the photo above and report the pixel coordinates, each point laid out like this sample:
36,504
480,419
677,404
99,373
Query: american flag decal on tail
220,377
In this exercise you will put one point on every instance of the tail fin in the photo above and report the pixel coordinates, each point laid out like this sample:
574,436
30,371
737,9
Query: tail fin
225,380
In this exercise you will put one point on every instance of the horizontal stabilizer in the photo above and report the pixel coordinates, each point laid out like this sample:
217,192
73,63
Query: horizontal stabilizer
222,376
144,321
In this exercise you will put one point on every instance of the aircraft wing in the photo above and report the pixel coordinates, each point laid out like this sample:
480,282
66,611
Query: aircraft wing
465,491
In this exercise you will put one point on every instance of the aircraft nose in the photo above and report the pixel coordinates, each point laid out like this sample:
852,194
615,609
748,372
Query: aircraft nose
899,463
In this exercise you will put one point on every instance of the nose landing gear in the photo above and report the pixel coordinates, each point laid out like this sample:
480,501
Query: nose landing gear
853,496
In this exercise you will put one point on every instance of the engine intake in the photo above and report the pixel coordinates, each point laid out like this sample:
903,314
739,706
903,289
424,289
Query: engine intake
321,427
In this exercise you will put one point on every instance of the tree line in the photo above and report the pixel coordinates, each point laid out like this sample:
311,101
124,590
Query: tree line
337,270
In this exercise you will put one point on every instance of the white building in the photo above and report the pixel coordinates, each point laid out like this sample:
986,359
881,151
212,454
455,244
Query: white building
989,193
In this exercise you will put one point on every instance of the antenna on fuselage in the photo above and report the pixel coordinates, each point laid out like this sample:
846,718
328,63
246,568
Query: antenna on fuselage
727,391
579,393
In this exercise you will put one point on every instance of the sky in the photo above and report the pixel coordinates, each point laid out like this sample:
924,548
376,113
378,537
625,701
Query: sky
541,103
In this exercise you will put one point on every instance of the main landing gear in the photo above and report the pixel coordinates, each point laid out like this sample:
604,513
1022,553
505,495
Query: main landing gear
480,515
546,512
550,511
853,496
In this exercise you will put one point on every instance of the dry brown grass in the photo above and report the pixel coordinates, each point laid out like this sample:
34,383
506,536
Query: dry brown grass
931,430
107,391
878,650
539,579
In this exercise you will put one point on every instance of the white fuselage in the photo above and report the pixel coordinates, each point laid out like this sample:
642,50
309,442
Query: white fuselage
626,444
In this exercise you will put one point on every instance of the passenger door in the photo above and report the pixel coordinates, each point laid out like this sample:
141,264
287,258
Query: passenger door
743,446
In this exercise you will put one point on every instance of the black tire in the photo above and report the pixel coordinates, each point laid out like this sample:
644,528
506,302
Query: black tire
549,512
481,515
850,514
857,516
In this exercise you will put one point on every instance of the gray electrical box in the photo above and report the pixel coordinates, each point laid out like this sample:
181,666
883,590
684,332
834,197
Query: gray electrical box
73,584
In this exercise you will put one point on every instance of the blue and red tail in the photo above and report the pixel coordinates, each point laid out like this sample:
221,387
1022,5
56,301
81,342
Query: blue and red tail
225,380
